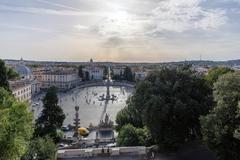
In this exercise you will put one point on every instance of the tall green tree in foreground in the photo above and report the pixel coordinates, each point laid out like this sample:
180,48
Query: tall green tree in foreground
132,136
4,76
129,115
171,102
41,149
216,72
52,116
15,127
221,128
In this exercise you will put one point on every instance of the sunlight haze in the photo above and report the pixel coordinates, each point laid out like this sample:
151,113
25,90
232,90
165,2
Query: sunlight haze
120,30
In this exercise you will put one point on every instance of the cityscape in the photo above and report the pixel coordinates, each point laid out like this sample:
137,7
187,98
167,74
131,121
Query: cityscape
119,80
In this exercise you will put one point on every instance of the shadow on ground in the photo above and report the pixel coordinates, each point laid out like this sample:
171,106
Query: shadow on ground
190,152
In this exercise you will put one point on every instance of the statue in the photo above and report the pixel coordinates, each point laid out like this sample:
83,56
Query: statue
107,123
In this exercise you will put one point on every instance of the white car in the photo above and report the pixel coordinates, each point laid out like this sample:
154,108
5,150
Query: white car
111,145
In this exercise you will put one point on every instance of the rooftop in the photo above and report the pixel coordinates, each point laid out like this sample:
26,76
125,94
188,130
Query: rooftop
14,85
60,72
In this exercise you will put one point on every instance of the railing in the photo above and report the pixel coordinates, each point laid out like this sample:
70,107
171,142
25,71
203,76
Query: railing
138,151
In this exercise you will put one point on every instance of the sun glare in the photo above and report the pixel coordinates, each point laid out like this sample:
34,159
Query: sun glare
119,16
120,23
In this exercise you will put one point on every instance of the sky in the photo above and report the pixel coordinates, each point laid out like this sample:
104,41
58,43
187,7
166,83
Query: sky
120,30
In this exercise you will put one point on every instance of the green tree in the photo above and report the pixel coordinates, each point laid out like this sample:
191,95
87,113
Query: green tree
3,76
11,73
105,72
216,72
221,128
41,149
80,72
128,75
129,115
15,127
131,136
87,78
171,102
52,116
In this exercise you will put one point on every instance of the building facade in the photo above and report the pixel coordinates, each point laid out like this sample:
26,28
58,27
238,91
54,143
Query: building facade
93,72
118,71
63,80
22,90
27,74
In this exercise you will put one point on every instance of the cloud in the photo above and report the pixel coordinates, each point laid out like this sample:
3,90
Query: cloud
58,5
237,1
174,16
113,42
183,15
47,11
212,20
28,28
81,27
121,24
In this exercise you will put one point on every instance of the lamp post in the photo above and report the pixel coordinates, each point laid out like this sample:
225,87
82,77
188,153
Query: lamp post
76,121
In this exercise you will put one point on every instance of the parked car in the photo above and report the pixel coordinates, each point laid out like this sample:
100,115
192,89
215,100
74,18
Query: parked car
65,128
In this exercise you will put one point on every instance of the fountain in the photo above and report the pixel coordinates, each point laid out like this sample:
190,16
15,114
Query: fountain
105,131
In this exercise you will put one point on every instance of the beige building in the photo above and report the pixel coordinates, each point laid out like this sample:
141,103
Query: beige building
63,80
38,72
118,71
22,90
93,72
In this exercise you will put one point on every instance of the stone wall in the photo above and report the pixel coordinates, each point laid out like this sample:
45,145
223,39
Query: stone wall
137,153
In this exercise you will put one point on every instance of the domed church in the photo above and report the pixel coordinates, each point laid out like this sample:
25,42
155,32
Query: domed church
24,71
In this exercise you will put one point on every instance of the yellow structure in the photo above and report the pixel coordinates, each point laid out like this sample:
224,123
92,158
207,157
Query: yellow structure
83,131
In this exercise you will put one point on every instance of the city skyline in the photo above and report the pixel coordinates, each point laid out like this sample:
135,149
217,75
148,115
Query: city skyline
120,31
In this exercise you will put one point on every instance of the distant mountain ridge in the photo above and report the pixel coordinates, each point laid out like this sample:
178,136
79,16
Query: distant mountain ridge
210,63
194,62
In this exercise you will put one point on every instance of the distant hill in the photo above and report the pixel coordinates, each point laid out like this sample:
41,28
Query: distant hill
210,63
194,62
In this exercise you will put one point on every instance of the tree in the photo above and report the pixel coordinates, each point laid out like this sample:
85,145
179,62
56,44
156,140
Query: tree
11,73
41,149
3,76
87,78
216,72
221,128
52,116
105,72
131,136
128,75
80,72
171,102
15,126
128,115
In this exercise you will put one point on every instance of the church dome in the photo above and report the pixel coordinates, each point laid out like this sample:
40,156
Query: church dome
23,70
